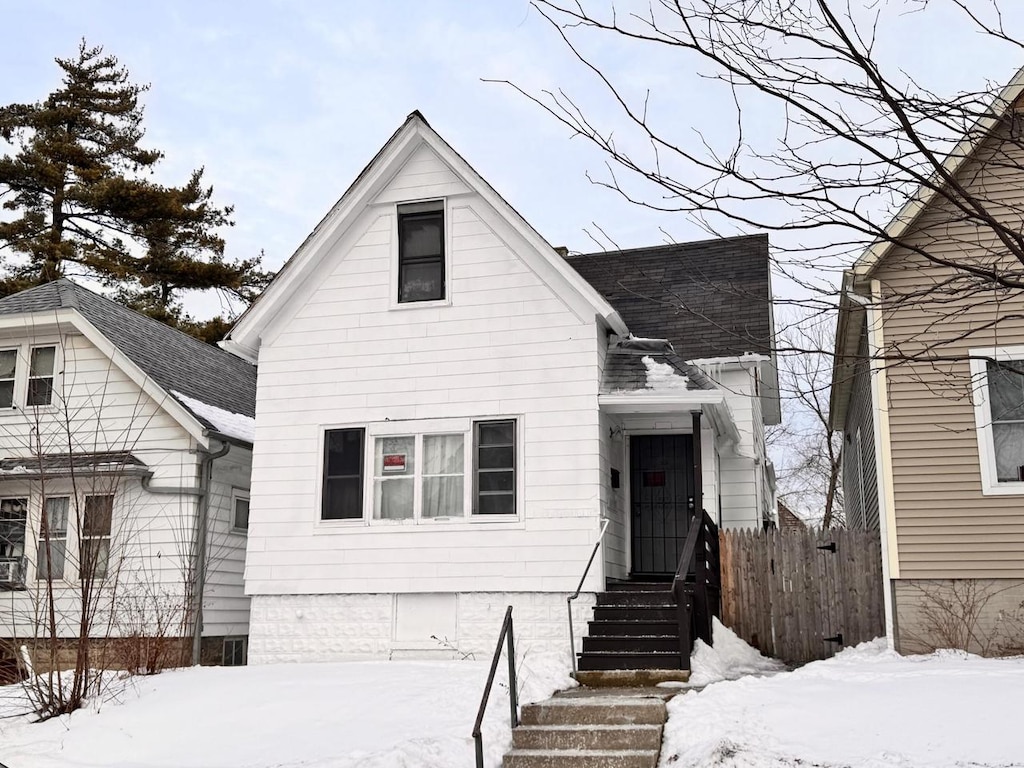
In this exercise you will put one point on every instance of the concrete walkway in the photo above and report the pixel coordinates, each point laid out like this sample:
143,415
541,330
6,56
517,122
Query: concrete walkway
592,728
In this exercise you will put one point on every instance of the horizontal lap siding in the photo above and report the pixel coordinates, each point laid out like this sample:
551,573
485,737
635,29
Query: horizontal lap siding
945,527
507,346
103,410
225,605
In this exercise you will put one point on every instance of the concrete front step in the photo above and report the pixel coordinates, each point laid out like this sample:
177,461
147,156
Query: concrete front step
606,710
538,758
632,678
614,737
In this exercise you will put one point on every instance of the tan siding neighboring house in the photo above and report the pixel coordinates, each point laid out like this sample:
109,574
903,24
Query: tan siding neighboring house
951,535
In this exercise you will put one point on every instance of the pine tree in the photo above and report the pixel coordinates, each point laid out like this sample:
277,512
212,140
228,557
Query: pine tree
84,206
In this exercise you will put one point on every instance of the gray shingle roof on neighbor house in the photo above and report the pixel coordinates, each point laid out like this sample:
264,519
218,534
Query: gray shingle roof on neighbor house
710,298
174,360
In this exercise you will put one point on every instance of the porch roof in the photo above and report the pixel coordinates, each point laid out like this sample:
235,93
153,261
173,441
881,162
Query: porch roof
68,464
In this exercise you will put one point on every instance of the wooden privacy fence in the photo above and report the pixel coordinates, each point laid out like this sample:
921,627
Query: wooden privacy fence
802,595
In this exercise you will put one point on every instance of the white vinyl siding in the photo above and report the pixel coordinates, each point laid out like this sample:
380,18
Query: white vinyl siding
507,345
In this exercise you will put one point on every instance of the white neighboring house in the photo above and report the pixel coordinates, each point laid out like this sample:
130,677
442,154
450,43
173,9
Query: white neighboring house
448,408
127,435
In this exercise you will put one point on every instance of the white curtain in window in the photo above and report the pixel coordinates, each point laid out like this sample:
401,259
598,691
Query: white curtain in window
443,473
394,471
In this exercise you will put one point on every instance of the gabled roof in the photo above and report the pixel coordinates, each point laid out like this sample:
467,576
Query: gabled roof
413,133
175,361
925,194
710,298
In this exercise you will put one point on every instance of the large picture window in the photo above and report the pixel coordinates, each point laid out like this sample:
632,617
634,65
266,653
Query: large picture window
453,469
421,252
343,474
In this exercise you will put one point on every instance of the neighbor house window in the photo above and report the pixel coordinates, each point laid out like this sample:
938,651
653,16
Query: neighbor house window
1006,411
13,517
495,467
997,376
95,536
53,539
343,474
240,511
421,252
8,366
40,376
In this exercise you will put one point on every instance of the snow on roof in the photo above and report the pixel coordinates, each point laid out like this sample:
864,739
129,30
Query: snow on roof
662,377
230,424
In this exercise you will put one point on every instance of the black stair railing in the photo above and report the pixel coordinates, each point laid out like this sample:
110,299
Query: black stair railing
697,584
506,634
576,594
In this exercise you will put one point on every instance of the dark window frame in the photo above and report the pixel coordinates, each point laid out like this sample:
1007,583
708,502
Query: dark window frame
327,478
238,495
416,213
97,527
234,652
477,493
39,391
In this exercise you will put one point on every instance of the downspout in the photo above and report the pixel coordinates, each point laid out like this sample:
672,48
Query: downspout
202,521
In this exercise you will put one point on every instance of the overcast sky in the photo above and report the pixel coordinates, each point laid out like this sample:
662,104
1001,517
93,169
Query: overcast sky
285,102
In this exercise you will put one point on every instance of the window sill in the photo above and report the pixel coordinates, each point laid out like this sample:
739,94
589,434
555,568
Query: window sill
469,523
1002,489
402,305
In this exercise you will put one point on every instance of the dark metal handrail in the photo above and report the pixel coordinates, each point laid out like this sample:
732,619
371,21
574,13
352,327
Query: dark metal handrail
513,696
579,588
697,601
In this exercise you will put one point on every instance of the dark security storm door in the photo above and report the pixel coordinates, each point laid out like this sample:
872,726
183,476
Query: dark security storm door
661,491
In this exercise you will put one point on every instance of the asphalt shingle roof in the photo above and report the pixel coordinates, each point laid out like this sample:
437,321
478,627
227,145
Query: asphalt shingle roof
710,298
626,372
174,360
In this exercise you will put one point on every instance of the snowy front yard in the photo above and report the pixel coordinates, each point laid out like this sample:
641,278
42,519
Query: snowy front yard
867,707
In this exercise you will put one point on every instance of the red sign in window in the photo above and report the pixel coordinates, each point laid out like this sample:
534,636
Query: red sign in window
654,479
394,462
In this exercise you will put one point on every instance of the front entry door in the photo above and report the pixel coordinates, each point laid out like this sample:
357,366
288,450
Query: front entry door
661,493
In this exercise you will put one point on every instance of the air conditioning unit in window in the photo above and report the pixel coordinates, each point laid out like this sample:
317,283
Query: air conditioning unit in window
10,572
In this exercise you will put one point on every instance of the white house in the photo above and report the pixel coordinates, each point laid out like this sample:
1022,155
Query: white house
447,409
126,445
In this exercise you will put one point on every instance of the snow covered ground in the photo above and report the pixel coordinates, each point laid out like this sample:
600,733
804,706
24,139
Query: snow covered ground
866,708
397,714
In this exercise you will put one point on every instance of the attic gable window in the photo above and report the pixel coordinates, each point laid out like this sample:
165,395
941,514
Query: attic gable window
421,252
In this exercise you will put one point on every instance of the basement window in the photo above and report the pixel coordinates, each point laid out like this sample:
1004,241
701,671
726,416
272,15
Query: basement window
421,252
